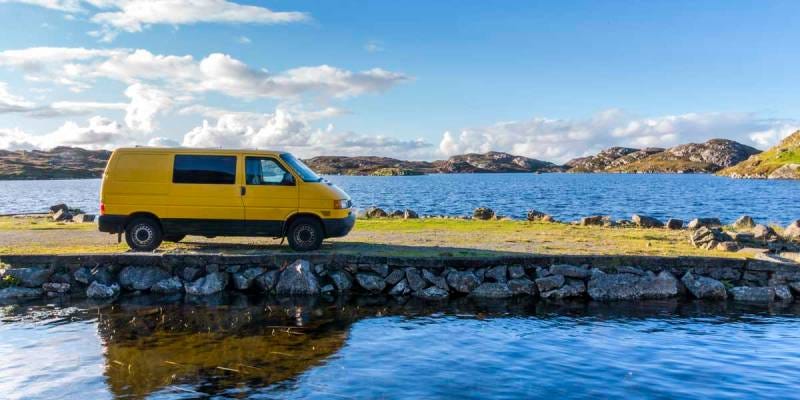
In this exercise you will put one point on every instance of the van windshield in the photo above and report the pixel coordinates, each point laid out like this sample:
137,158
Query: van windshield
303,170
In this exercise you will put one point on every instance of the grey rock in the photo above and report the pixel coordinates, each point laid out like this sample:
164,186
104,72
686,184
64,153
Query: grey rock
483,213
380,269
267,280
703,287
594,220
674,224
56,287
608,287
375,212
400,289
522,286
298,279
570,271
463,281
708,238
573,288
750,294
534,216
83,218
432,293
744,222
728,246
141,278
62,215
551,282
170,285
19,293
410,214
31,277
516,271
492,290
98,290
625,269
782,293
370,282
342,280
795,287
190,274
212,283
61,277
497,274
645,221
756,278
244,279
327,288
395,276
763,232
415,281
434,279
58,207
792,231
704,222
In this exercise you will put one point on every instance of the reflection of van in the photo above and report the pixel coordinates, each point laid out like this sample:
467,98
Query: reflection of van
154,194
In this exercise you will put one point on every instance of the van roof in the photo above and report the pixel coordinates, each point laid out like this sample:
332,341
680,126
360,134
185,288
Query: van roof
194,150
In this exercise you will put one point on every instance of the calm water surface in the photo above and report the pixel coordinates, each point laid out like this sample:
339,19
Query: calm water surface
566,196
244,347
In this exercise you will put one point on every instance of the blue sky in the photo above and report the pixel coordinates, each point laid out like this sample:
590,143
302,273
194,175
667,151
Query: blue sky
550,80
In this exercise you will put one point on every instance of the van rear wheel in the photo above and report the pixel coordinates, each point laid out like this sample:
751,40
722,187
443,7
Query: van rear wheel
305,234
143,234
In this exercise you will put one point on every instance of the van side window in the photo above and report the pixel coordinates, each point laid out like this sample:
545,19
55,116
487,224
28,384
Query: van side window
266,171
217,170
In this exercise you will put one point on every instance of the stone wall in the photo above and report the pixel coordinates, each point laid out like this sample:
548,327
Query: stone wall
600,278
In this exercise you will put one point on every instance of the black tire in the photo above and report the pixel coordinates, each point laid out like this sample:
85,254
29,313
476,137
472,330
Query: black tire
143,234
174,238
305,234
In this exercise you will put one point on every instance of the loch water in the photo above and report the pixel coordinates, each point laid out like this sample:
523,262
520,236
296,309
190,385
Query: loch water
565,196
235,346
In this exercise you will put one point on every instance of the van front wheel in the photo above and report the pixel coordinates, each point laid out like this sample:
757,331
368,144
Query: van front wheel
305,234
143,234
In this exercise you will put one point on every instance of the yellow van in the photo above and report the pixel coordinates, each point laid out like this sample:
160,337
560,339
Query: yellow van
155,194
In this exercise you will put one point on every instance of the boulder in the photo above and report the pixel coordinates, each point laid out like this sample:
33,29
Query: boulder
415,281
550,282
516,271
141,278
594,220
708,238
244,279
168,286
380,269
395,276
496,274
522,286
605,287
62,215
410,214
704,222
792,231
83,218
463,281
189,273
570,271
765,233
298,279
432,293
483,213
10,293
492,290
538,216
400,289
728,246
702,287
674,224
29,277
98,290
342,280
751,294
396,214
88,275
269,279
214,282
370,282
783,293
375,212
53,287
572,288
58,207
433,279
645,221
744,222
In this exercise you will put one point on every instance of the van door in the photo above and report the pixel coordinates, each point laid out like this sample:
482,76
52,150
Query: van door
205,196
269,195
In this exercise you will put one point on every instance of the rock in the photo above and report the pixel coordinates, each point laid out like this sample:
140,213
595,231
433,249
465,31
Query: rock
410,214
141,278
573,288
496,274
787,171
168,286
795,287
782,293
269,279
539,216
400,289
190,274
728,246
370,282
380,269
594,220
56,287
243,280
744,222
753,294
375,212
463,281
703,287
744,237
605,287
645,221
83,218
570,271
298,279
415,281
792,231
674,224
98,290
483,213
30,277
763,232
522,286
438,281
704,222
516,271
20,293
212,283
432,293
58,207
327,288
342,280
708,238
395,276
550,282
62,215
492,290
396,214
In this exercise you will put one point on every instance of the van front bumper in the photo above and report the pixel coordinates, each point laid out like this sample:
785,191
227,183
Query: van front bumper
338,227
111,223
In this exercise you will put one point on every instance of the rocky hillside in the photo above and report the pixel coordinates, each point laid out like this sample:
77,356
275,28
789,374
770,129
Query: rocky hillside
58,163
493,161
710,156
779,162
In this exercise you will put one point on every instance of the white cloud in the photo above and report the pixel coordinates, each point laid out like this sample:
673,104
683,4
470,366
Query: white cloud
10,103
163,142
562,139
71,6
244,40
97,133
145,103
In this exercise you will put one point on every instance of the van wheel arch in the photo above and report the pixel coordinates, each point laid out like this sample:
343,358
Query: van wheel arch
143,214
294,217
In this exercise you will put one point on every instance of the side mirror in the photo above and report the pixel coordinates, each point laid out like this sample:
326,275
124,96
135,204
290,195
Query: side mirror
288,179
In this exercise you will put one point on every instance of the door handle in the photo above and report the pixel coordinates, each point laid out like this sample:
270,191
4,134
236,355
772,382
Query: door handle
243,191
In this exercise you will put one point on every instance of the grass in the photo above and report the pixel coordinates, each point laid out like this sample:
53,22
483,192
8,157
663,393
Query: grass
787,152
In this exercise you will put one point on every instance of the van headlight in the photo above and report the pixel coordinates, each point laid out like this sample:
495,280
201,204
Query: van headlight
341,204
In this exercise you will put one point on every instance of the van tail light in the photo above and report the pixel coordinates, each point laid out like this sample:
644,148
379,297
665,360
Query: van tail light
102,208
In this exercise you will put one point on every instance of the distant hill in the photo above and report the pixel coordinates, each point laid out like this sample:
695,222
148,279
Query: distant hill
779,162
58,163
707,157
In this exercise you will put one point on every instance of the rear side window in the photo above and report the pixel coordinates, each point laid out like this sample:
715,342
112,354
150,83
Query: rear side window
215,170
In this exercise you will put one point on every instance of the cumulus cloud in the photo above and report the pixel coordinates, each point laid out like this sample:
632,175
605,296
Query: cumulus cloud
146,102
78,68
70,6
97,133
562,139
10,103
